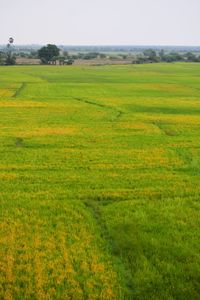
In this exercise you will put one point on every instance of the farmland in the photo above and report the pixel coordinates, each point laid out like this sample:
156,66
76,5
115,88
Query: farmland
99,182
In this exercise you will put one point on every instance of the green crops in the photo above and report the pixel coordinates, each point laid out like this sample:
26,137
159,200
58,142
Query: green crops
99,182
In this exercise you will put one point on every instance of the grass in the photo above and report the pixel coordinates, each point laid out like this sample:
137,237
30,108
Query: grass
99,172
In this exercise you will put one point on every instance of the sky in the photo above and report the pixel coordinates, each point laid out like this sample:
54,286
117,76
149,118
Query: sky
101,22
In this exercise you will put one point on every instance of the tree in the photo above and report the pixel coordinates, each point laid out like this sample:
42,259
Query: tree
151,55
139,59
124,56
69,61
176,56
161,54
61,60
91,55
10,60
191,57
1,58
102,55
47,53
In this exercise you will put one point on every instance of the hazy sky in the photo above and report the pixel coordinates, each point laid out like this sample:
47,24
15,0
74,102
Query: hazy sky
101,22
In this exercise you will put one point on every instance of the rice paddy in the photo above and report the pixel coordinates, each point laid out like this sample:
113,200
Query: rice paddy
99,182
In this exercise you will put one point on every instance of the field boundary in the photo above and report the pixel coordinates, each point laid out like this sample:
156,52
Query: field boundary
20,89
119,112
94,207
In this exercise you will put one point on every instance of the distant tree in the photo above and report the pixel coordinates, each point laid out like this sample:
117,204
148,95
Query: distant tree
1,59
91,55
34,54
80,55
162,54
150,54
139,59
102,55
175,56
10,60
61,60
168,58
22,54
74,56
47,53
69,61
124,56
191,57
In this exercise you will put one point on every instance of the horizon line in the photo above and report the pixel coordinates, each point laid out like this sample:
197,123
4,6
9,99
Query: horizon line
109,45
105,45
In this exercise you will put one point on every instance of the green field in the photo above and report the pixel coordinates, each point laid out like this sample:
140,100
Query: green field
100,182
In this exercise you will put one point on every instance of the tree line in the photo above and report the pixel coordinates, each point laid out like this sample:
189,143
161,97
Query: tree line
151,56
51,54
